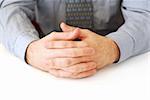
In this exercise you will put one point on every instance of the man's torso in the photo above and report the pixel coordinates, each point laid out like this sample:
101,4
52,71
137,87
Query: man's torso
107,15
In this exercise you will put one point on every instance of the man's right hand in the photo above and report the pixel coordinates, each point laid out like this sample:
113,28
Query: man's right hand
59,55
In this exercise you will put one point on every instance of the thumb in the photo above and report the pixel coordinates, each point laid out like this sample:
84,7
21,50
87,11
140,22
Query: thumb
66,28
81,33
65,36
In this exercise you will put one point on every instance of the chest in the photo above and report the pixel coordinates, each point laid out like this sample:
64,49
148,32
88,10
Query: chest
50,13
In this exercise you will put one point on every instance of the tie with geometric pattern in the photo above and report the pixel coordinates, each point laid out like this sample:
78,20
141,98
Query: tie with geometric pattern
79,13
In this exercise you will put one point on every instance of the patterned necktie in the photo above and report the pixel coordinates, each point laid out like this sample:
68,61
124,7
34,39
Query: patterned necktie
79,13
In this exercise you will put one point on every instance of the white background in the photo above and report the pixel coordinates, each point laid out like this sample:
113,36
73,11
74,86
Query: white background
129,80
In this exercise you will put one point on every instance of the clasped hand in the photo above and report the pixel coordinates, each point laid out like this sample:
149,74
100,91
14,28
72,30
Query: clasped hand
59,54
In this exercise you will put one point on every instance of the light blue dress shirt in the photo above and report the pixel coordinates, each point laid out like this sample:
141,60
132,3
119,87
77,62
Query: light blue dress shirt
127,22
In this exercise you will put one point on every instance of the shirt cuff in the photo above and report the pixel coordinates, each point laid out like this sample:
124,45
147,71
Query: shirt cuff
21,45
125,43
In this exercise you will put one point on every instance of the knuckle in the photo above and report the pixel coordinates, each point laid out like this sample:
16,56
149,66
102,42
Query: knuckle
73,44
73,53
89,51
51,63
84,52
78,69
70,44
51,44
68,62
46,64
64,44
73,69
52,33
64,62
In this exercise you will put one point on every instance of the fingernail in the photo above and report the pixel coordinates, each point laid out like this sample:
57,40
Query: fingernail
62,23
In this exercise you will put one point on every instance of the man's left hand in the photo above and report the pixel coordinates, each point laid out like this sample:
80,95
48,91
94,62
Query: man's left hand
107,51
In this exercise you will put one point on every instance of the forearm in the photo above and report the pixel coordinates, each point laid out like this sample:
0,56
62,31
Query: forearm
133,36
17,30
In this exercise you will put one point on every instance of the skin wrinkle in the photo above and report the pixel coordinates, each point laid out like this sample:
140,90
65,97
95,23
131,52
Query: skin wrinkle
59,62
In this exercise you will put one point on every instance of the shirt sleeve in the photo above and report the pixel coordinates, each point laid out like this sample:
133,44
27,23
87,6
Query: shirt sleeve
16,29
133,37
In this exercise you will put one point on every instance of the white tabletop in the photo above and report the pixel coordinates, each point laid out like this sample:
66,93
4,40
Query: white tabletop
129,80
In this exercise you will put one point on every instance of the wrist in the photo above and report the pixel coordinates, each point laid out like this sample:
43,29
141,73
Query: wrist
28,52
115,51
